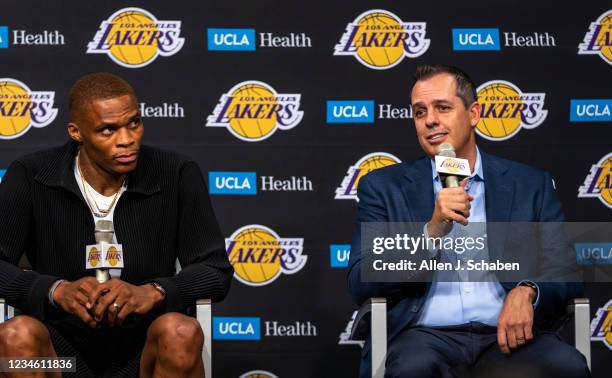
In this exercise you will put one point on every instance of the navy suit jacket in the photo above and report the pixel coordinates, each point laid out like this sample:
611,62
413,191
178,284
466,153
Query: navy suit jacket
403,192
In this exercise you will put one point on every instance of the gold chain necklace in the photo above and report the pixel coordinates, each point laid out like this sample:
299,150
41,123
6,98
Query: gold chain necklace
101,213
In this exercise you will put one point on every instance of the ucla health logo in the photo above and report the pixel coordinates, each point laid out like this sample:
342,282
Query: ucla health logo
250,328
365,165
598,183
236,328
243,39
350,111
26,38
476,39
4,41
594,110
601,326
260,256
258,374
231,39
245,183
133,37
506,110
363,111
380,40
339,255
252,111
22,108
232,183
593,253
489,39
598,40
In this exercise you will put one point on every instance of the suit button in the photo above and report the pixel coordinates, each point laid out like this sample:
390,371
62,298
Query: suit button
415,308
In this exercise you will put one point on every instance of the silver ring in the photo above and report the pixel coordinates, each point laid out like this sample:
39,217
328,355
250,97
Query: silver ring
115,305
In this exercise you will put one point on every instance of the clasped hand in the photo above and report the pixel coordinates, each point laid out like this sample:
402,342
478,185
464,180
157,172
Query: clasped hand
110,302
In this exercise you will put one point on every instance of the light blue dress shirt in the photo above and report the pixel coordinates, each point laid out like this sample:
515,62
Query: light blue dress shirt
454,303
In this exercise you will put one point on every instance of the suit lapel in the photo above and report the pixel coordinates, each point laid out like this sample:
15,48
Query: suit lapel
418,189
499,196
420,199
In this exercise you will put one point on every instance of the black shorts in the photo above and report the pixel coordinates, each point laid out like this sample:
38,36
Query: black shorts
100,352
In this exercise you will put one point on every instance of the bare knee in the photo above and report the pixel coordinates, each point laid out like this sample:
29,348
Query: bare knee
178,329
179,340
22,336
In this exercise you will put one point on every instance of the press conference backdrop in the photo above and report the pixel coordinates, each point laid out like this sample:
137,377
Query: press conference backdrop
286,105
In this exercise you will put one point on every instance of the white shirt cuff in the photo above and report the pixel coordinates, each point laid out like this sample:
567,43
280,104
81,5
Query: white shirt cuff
430,248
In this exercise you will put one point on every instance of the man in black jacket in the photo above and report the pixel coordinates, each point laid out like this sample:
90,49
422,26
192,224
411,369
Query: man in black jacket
158,202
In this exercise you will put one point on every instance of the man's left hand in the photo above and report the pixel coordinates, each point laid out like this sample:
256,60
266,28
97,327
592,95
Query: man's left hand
118,299
515,322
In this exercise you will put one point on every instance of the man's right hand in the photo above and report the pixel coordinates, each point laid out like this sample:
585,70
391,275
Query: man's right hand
73,297
452,205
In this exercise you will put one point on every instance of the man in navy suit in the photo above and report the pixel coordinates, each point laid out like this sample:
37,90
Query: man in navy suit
445,329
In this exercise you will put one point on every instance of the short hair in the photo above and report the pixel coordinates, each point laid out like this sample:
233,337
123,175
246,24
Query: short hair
96,86
466,90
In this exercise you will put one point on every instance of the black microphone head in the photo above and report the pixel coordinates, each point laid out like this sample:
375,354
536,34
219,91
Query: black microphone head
446,149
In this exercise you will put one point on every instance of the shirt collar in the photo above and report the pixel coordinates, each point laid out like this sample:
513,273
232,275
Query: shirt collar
478,173
59,171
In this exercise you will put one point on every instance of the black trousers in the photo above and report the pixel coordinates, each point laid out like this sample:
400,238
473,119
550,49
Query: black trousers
471,350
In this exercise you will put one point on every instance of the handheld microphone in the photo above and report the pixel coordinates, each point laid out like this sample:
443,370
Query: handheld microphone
450,168
104,254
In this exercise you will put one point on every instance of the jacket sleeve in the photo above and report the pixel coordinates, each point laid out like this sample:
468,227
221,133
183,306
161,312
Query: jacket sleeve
371,208
206,271
25,290
557,265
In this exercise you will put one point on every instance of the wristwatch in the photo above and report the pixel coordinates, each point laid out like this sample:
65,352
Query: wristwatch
531,285
159,288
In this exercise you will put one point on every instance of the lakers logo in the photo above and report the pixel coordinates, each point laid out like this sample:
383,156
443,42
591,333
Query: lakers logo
601,326
258,374
505,110
133,37
365,165
260,256
112,256
21,108
252,111
93,256
598,183
598,40
452,165
380,40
